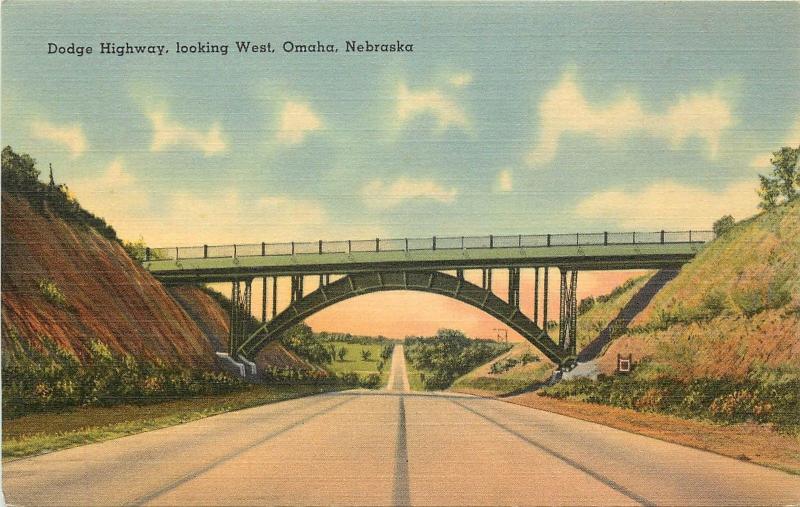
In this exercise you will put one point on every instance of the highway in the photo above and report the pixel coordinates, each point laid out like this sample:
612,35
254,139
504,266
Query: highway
391,447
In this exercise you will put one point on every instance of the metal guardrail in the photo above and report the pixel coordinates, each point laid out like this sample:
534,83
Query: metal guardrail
428,244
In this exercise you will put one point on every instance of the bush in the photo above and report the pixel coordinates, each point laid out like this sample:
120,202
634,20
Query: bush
448,355
51,293
763,398
53,378
723,225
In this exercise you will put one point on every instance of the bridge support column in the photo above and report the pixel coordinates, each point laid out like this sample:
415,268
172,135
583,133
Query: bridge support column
241,308
536,296
568,315
544,305
264,299
513,287
274,296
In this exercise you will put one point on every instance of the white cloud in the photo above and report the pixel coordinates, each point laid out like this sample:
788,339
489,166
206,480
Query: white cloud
670,205
792,139
565,110
168,133
383,195
460,80
70,137
295,122
504,181
116,196
443,108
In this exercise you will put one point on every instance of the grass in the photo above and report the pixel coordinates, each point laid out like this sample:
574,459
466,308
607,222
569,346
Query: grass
353,362
45,432
414,377
514,379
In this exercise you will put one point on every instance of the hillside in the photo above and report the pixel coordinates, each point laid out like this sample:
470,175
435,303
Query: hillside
67,283
513,374
213,319
733,309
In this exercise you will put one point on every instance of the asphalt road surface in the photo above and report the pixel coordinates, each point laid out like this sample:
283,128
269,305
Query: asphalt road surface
390,447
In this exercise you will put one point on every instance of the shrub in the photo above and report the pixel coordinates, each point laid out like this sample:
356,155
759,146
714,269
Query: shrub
723,225
51,293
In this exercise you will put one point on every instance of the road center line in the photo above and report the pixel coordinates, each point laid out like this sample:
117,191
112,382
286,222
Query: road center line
400,492
192,475
574,464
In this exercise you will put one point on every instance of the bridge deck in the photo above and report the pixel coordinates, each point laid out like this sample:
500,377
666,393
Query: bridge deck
202,266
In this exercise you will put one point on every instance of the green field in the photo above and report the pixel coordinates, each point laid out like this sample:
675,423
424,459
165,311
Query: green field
354,363
51,431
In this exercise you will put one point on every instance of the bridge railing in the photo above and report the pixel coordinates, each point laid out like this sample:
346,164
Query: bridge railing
428,244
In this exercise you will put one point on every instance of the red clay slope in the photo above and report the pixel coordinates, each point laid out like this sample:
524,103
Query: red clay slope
213,320
107,295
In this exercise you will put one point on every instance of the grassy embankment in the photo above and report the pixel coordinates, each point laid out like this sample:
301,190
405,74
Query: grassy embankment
50,431
524,366
720,342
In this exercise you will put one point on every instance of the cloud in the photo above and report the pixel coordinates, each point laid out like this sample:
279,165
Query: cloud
444,109
792,139
116,196
295,122
70,137
565,110
379,194
670,205
168,133
460,80
504,181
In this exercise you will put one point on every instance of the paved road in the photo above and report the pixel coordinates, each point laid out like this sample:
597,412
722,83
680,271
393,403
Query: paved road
391,447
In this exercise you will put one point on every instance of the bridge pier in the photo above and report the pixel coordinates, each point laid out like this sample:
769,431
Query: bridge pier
568,311
536,296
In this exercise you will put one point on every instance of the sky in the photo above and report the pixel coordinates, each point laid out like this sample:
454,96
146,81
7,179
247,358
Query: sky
506,118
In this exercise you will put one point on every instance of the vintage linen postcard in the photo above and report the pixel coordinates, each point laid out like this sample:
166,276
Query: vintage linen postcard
400,253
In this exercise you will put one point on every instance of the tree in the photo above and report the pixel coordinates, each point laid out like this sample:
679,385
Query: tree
19,171
386,352
366,355
782,185
723,225
342,353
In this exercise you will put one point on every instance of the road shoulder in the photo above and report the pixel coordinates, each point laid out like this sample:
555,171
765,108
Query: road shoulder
747,442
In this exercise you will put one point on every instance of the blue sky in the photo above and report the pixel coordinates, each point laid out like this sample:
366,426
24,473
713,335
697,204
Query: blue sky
506,118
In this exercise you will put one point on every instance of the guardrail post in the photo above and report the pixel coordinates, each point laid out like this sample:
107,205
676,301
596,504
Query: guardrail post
349,246
577,239
462,242
690,235
548,240
205,251
406,244
491,240
434,242
263,249
377,244
292,247
662,236
634,237
320,246
605,239
519,241
234,250
147,254
177,256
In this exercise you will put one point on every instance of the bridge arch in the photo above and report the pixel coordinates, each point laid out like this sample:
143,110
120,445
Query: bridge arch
434,282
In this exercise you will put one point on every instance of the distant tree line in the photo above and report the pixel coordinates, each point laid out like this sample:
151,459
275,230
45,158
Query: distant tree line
448,355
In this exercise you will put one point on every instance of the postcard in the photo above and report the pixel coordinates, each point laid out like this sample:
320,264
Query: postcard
400,253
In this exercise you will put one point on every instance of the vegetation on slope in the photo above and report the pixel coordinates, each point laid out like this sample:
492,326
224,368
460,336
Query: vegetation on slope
523,367
441,359
720,341
734,309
